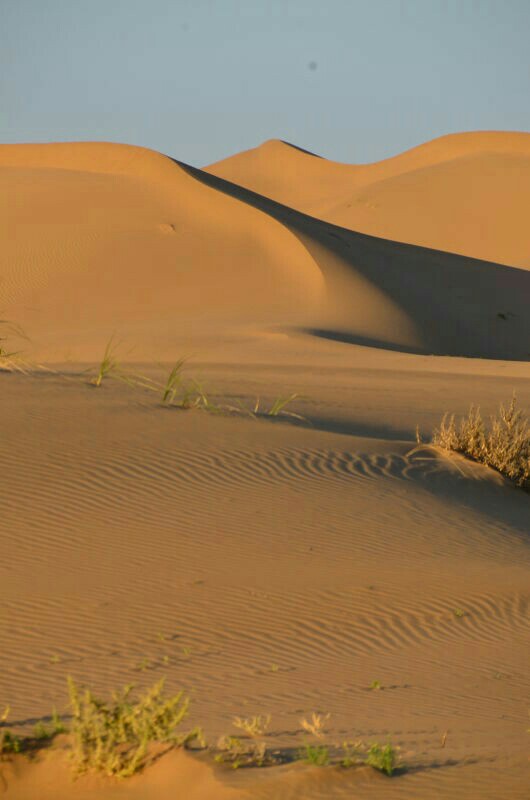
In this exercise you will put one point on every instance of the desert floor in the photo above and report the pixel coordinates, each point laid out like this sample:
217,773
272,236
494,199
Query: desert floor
271,565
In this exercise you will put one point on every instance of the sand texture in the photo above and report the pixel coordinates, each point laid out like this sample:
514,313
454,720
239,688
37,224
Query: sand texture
268,565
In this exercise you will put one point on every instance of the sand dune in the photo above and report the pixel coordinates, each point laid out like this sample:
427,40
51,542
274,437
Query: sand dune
268,565
189,248
464,193
109,236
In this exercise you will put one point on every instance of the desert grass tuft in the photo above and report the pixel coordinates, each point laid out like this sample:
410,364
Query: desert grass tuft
110,367
173,383
109,364
504,445
278,407
114,737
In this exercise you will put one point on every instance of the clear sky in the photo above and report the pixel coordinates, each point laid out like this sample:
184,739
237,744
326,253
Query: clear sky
352,80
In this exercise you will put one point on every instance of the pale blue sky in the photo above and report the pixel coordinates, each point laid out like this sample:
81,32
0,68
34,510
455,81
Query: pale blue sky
352,80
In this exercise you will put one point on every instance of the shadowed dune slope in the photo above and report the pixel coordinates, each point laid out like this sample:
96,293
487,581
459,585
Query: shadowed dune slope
102,237
465,193
405,297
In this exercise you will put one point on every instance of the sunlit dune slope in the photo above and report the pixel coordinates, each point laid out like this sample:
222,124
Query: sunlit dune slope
97,236
465,193
103,237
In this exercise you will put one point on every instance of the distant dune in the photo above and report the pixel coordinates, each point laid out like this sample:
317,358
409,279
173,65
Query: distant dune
465,193
104,236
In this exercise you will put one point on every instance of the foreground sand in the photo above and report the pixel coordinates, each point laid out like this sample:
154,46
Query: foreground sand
264,566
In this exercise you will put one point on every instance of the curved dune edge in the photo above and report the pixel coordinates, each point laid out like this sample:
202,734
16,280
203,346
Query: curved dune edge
462,193
400,296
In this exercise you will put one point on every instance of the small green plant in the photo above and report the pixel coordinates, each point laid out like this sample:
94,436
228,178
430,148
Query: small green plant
114,737
376,685
459,612
110,367
9,742
173,382
109,364
316,754
276,410
278,407
40,731
382,758
57,724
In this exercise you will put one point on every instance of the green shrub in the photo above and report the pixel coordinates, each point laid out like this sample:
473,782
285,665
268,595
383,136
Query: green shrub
382,757
316,754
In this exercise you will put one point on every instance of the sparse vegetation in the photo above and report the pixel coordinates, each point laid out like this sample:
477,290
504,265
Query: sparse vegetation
9,743
255,727
110,367
351,754
316,754
56,726
382,758
114,737
173,382
278,408
315,726
250,750
504,445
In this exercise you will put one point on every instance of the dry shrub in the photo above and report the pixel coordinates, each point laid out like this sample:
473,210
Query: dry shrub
114,737
504,445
